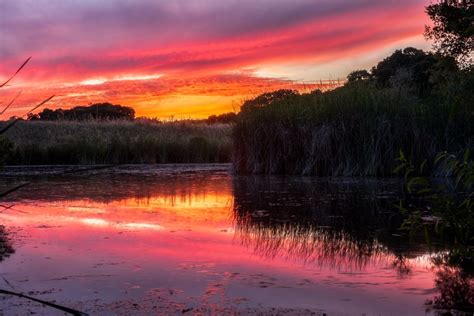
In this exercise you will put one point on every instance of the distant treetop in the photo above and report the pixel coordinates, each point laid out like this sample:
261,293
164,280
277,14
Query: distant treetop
225,118
358,75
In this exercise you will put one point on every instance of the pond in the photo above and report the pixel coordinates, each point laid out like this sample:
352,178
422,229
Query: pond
196,239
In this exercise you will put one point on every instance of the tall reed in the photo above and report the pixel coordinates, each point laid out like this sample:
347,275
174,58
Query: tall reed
356,130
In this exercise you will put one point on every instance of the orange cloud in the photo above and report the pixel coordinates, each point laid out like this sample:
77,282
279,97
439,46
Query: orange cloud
165,97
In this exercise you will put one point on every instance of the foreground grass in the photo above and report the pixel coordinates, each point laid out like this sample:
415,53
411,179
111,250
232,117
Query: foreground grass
111,142
355,130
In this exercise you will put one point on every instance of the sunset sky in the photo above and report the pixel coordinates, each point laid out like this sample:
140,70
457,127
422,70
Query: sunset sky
192,58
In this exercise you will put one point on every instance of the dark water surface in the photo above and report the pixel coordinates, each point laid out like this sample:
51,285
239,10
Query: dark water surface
195,239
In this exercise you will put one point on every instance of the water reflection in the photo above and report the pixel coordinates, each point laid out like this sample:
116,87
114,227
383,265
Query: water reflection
6,248
455,289
339,223
217,241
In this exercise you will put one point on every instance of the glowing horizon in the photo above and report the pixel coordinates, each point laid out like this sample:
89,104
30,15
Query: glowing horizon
192,59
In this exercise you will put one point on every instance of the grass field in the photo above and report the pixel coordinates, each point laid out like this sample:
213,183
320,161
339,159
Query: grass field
112,142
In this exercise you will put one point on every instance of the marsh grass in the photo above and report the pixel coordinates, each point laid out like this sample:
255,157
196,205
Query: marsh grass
118,142
356,130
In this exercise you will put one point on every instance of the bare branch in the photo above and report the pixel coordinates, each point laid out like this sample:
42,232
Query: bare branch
56,306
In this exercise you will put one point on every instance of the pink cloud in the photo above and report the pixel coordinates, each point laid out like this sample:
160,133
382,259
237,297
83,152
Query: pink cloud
100,41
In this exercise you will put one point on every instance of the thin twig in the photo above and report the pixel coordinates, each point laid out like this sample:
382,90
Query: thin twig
18,187
11,102
11,124
62,308
19,69
7,207
8,283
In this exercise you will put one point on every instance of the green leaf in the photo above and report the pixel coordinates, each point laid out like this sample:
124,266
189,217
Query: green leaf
414,181
399,167
422,166
424,191
427,236
466,155
441,156
402,156
469,181
408,172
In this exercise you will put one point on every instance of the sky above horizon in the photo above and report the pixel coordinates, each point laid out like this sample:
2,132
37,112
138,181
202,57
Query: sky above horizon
192,58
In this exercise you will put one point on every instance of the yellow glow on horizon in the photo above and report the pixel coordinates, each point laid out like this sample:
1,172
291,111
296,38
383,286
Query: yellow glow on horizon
187,106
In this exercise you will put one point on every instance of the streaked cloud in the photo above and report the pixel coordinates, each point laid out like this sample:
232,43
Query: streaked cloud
147,45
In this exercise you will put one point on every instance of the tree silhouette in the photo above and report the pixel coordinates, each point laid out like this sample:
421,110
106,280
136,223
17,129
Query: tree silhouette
453,29
98,111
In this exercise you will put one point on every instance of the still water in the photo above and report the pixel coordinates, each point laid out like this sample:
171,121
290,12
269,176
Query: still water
195,239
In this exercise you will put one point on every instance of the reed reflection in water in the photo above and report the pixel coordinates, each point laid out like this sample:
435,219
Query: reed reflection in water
345,224
214,240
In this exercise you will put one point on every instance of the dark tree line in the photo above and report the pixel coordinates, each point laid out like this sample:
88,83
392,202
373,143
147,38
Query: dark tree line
98,111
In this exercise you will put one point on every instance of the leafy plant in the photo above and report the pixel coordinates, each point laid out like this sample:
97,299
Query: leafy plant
455,288
447,207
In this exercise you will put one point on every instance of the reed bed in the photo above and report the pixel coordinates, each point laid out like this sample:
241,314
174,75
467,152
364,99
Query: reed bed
117,142
355,130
